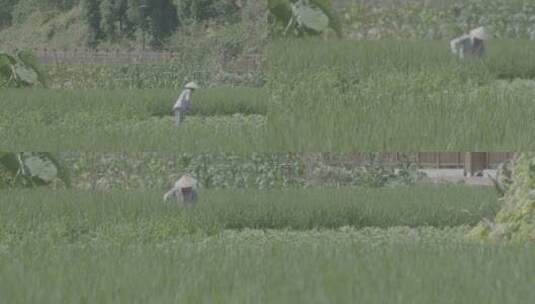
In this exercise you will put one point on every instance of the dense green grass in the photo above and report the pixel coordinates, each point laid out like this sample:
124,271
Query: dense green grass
369,266
400,96
88,212
235,133
132,103
119,120
129,120
128,247
338,96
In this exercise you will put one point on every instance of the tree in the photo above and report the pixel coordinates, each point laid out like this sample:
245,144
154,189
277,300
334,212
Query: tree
125,26
162,21
115,20
6,8
133,17
200,10
107,20
93,18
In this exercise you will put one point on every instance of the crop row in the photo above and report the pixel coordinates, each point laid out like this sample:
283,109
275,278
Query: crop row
400,96
87,212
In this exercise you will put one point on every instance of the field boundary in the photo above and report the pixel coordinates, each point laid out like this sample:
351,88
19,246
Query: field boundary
430,160
102,56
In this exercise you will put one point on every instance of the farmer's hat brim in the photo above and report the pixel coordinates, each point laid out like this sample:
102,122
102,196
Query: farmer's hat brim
479,33
191,85
186,181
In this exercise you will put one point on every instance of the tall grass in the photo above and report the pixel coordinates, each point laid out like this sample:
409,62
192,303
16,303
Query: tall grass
127,247
340,96
133,103
402,96
88,212
370,266
129,120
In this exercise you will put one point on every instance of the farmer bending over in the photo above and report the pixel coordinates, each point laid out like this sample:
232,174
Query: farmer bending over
470,44
183,103
184,191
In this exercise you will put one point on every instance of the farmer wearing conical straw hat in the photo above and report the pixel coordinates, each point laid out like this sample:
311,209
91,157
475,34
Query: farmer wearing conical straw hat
183,103
471,44
184,191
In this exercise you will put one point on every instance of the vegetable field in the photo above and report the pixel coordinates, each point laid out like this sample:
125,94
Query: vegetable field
317,97
296,100
338,96
131,248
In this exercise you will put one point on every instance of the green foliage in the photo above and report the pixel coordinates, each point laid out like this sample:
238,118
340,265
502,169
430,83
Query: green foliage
84,126
230,171
515,221
6,9
203,10
20,70
93,18
163,21
303,17
268,266
316,208
110,20
437,19
337,97
139,104
133,247
109,17
298,209
33,168
504,179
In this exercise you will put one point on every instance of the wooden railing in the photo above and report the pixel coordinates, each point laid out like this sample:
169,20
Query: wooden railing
438,160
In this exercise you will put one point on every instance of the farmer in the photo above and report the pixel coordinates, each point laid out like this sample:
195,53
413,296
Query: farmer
184,191
470,44
183,103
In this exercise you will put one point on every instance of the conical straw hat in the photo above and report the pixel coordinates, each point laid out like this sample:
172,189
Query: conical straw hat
191,85
479,33
186,181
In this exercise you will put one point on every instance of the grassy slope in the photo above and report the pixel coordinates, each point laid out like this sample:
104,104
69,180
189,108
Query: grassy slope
46,30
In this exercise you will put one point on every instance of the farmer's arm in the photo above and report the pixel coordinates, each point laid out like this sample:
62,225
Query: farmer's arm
179,101
455,45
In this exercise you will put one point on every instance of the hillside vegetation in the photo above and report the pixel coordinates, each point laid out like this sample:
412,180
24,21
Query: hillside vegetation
124,23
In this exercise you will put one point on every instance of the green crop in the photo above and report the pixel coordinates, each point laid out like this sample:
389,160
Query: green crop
399,96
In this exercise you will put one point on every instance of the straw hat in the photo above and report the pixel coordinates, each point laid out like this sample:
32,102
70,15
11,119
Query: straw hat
186,181
479,33
191,85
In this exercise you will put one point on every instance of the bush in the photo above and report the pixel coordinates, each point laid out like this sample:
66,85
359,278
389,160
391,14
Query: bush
202,10
516,220
20,70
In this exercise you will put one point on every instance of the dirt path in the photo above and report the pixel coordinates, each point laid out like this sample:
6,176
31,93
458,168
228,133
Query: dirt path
456,176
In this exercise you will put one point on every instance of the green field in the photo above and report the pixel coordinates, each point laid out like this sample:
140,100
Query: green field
422,205
277,221
128,247
318,97
338,96
224,119
397,265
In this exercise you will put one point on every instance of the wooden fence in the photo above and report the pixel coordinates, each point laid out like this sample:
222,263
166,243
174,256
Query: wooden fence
438,160
343,5
102,56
